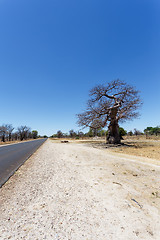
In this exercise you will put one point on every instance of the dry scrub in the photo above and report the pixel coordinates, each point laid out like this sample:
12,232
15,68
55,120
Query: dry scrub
149,148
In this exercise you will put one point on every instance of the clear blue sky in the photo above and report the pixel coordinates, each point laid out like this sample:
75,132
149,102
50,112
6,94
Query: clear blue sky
53,52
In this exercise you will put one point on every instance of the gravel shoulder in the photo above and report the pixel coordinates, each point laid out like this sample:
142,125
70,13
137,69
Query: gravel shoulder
71,191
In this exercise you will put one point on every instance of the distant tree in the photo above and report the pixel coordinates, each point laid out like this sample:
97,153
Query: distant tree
102,133
34,134
23,132
156,130
9,129
90,133
54,136
96,131
59,134
72,133
116,102
137,132
29,135
15,135
122,132
148,131
152,130
130,133
3,133
65,135
80,134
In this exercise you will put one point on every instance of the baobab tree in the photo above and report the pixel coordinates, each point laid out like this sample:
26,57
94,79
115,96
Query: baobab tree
23,132
3,133
108,105
10,129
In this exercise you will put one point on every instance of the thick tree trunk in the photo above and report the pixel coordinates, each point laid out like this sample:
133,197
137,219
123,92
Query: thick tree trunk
113,133
3,138
9,136
113,136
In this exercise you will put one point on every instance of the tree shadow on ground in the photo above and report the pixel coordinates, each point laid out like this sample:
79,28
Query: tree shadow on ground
121,145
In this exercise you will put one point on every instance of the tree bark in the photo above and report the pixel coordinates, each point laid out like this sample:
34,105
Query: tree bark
9,136
113,136
3,138
113,133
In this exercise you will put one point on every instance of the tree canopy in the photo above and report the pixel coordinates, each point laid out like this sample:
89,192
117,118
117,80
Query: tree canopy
111,103
152,130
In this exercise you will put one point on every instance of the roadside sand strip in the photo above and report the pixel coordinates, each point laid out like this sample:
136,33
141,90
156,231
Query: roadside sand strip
74,192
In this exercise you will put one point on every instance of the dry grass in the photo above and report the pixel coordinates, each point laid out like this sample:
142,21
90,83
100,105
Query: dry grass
18,141
137,146
7,142
140,146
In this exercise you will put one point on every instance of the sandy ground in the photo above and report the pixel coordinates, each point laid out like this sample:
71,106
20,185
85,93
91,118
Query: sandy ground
136,146
149,148
71,191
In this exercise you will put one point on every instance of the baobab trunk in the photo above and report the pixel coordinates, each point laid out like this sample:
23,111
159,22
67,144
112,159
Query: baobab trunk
10,136
113,136
3,138
113,133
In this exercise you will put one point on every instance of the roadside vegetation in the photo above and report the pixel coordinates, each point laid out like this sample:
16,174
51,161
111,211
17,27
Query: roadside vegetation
148,133
10,134
140,146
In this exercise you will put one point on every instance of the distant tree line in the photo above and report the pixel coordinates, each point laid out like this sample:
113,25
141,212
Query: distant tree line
147,131
100,132
71,134
152,131
9,133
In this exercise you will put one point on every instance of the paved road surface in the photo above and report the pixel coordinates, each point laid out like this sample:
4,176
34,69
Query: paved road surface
14,155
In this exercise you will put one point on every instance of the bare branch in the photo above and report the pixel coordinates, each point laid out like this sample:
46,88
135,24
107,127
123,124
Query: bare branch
116,101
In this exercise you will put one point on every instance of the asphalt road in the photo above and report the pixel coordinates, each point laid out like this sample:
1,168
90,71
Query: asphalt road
14,155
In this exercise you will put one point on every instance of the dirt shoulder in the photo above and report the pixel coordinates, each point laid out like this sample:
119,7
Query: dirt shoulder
71,191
